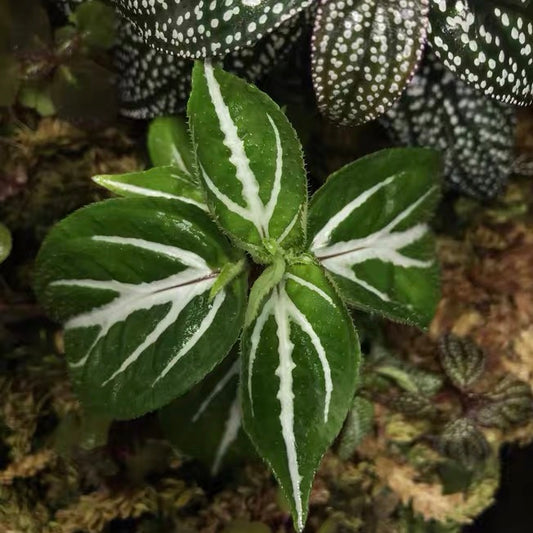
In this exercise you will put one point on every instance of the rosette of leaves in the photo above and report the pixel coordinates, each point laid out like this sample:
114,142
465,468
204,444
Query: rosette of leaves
61,71
364,52
152,287
474,133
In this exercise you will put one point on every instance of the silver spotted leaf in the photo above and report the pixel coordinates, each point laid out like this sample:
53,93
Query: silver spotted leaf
488,44
213,408
474,133
130,278
462,360
364,54
208,28
463,442
368,226
509,403
154,82
299,370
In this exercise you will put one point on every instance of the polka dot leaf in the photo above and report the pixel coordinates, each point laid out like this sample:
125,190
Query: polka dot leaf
364,53
473,132
488,44
206,28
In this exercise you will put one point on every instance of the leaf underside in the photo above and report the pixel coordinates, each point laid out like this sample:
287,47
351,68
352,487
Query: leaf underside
473,132
487,44
298,378
130,278
368,226
250,161
364,53
197,30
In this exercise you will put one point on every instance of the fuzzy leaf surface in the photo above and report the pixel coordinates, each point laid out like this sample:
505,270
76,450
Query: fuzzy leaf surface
205,29
299,371
488,44
160,182
250,161
213,408
364,54
368,227
130,279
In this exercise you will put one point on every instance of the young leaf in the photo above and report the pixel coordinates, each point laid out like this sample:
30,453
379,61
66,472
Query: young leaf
211,408
249,160
364,54
368,227
474,133
488,44
204,29
169,143
130,278
160,182
299,370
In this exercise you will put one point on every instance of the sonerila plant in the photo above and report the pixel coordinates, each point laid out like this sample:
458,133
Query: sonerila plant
153,287
364,52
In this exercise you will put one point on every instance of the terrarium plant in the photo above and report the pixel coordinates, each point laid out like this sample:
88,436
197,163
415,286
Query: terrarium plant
364,52
153,288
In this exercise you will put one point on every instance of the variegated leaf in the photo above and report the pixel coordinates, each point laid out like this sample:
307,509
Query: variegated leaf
368,227
364,54
160,182
250,161
131,278
208,28
299,372
213,408
488,44
169,144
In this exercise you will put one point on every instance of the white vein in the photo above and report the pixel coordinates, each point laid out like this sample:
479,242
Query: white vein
384,244
231,431
176,155
152,193
312,287
197,335
285,396
234,370
255,211
175,291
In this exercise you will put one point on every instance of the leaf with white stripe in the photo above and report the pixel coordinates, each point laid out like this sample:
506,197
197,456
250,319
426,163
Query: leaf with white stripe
299,371
131,279
159,182
211,408
250,161
169,144
368,226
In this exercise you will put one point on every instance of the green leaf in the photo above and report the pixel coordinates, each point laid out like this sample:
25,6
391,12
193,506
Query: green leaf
364,54
204,29
5,243
474,133
96,23
250,161
37,96
130,278
368,227
358,425
206,423
462,360
488,44
299,372
169,143
161,182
